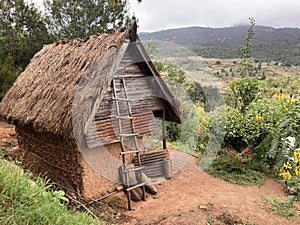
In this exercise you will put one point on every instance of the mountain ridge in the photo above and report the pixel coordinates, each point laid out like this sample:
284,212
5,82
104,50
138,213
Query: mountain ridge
269,43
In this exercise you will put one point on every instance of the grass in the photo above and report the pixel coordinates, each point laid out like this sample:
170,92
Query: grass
235,174
281,207
24,201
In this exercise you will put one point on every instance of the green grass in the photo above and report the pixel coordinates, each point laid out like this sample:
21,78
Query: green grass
281,207
24,201
235,174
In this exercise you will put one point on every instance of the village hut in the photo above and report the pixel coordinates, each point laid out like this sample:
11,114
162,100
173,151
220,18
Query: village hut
69,108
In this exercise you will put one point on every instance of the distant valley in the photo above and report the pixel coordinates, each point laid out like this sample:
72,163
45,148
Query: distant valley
276,44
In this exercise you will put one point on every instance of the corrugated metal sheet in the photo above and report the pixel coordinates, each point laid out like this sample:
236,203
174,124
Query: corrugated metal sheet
155,164
106,131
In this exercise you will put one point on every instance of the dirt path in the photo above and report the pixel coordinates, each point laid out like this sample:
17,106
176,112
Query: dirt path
192,196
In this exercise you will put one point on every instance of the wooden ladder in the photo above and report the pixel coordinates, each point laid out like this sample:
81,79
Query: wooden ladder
126,170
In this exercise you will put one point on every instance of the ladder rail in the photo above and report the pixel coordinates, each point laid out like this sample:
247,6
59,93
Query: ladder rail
121,138
119,120
135,137
131,121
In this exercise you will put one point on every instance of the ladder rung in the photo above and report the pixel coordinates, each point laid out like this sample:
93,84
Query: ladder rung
124,117
128,135
136,186
130,152
133,169
121,99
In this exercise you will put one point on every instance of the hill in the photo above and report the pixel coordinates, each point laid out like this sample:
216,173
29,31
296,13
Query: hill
278,44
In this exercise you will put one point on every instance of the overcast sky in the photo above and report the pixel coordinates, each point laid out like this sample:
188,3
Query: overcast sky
157,15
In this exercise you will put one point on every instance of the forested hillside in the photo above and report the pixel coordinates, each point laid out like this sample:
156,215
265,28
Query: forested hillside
282,45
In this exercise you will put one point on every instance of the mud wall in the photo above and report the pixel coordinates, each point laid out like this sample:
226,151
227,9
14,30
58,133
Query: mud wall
52,157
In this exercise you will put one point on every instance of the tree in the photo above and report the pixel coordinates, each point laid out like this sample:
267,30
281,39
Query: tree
8,74
22,31
82,18
246,66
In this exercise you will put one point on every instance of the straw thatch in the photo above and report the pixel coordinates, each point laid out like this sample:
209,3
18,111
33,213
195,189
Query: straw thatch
66,81
43,94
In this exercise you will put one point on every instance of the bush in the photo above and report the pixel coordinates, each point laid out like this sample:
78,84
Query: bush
232,167
284,122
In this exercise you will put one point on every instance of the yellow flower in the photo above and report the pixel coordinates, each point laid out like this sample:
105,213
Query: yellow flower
258,116
287,166
286,175
290,99
280,96
297,155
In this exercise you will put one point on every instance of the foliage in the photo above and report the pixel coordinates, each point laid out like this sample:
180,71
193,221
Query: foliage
82,18
23,201
245,64
194,132
244,92
8,74
286,122
232,167
242,129
281,207
292,187
22,31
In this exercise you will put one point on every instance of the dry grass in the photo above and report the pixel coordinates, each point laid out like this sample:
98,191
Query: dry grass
43,95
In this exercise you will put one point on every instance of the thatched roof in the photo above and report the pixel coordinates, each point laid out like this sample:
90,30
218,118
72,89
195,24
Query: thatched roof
44,95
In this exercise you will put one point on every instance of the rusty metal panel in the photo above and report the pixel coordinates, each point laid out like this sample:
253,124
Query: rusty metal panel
106,131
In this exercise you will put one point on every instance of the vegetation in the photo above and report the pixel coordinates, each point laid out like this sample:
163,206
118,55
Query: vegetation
252,129
232,167
22,31
281,207
24,201
80,19
8,74
255,125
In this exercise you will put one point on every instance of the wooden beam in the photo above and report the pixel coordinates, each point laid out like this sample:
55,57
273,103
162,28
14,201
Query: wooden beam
164,129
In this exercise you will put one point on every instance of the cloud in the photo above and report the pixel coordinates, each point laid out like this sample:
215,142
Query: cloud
156,15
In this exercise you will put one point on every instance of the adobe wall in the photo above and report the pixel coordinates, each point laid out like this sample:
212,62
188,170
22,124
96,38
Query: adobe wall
52,157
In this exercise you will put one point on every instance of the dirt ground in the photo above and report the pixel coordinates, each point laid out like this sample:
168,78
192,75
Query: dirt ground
192,196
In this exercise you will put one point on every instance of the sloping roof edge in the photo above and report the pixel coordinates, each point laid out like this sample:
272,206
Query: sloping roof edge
166,93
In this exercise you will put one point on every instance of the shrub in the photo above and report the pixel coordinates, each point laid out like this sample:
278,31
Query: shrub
233,167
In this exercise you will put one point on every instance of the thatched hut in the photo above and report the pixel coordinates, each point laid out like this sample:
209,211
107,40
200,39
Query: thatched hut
63,107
